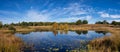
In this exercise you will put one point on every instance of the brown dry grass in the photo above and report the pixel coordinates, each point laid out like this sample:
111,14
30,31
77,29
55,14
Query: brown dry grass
106,44
9,43
32,28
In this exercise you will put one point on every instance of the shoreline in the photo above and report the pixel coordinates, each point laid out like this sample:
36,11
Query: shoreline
113,39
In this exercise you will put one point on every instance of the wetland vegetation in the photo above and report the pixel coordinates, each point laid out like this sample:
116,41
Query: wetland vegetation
59,25
84,37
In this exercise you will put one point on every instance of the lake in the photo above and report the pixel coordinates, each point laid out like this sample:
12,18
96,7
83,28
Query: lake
60,41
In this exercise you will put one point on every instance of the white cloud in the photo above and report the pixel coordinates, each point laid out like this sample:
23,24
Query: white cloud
72,12
78,13
36,16
118,20
115,16
104,15
73,19
88,17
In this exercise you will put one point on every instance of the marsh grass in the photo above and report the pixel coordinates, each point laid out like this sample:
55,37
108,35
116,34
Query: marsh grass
9,43
106,44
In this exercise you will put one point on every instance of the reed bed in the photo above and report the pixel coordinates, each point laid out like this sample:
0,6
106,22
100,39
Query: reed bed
9,43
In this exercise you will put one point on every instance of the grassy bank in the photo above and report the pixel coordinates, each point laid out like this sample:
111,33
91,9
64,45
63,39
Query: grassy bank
98,27
9,43
105,44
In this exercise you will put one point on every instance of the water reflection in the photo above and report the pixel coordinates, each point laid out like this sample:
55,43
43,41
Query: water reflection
81,32
103,32
55,32
58,40
24,33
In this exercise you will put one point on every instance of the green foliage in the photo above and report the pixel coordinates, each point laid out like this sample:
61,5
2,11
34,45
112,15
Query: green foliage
81,32
102,22
5,25
32,24
1,25
78,22
105,22
11,28
26,24
85,22
115,23
99,22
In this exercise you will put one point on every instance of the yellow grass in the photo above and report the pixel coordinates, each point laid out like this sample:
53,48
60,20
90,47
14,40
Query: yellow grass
106,44
9,43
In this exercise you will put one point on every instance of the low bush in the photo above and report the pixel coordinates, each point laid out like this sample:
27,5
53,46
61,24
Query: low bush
11,28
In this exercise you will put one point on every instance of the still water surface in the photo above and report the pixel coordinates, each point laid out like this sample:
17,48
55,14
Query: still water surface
60,41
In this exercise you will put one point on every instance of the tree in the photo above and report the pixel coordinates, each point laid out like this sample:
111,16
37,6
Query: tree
24,24
105,22
66,27
99,22
85,22
114,23
102,22
78,22
55,26
61,27
5,25
1,24
10,27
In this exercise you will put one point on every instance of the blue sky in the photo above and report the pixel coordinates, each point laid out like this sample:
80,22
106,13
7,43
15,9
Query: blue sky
59,10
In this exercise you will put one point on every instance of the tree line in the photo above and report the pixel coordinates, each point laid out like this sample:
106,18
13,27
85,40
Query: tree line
60,25
78,22
105,22
55,25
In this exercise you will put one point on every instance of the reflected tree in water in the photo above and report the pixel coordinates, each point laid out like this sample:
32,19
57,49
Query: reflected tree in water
81,32
24,33
55,26
103,32
63,31
55,32
66,31
84,32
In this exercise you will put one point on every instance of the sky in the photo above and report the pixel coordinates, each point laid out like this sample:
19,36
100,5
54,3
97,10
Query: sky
14,11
